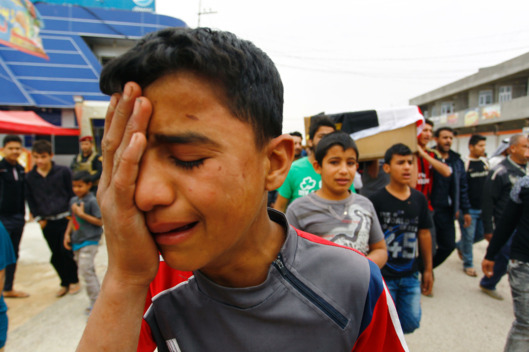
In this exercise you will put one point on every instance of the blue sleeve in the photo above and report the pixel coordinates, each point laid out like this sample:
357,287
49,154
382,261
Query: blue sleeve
380,328
7,254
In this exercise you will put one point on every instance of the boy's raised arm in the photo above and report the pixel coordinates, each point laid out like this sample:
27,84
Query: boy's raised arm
114,324
439,166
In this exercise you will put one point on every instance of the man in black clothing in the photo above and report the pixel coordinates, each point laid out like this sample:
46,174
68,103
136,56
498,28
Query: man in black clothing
12,206
477,169
449,197
88,160
48,191
515,218
496,192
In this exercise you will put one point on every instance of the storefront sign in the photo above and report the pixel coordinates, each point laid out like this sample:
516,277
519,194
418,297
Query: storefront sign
491,112
20,25
134,5
471,117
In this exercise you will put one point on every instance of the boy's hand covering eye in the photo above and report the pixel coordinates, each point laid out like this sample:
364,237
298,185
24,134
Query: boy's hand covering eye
133,255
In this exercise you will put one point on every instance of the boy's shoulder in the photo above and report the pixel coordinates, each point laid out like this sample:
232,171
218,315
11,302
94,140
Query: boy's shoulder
381,193
416,193
74,199
300,290
359,198
89,197
60,168
300,164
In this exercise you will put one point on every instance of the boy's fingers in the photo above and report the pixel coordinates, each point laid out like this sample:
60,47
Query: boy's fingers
107,157
124,180
138,120
115,127
137,125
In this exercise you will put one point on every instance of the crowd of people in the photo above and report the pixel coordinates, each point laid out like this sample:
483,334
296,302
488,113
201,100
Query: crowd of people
60,200
456,190
298,248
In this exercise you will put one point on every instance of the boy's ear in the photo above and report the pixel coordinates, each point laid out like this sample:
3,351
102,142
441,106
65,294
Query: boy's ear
386,168
316,166
280,155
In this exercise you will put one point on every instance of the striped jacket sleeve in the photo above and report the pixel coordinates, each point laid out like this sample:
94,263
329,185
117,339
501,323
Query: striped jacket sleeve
380,329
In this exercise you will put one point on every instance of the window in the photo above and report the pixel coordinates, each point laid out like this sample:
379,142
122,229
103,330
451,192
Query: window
505,94
485,97
447,108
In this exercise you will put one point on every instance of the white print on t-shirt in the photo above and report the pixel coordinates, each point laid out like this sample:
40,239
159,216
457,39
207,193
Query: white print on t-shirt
401,239
307,185
421,179
356,233
403,245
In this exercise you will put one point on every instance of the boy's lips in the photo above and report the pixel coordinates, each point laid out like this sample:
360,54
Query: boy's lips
172,234
342,181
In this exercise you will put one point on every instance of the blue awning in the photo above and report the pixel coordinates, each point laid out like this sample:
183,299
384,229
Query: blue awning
72,68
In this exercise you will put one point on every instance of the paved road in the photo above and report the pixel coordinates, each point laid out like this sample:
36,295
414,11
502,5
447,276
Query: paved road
458,318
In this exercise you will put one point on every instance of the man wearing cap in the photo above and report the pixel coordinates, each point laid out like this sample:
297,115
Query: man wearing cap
88,160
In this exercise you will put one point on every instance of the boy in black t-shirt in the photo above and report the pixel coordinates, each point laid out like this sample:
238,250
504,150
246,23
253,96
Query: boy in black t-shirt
403,215
477,169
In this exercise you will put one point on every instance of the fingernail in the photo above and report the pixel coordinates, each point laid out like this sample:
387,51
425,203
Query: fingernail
113,101
137,105
127,91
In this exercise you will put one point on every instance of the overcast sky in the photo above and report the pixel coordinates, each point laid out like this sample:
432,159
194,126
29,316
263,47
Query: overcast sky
353,55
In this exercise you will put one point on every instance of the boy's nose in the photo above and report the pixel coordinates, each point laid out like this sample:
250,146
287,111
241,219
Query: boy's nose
153,187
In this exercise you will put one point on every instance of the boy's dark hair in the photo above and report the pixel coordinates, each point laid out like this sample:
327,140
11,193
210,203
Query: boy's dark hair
250,81
317,121
83,176
441,129
396,149
296,134
330,140
428,122
41,146
475,139
12,138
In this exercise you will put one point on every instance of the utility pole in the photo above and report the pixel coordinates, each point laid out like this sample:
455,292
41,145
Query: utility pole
202,11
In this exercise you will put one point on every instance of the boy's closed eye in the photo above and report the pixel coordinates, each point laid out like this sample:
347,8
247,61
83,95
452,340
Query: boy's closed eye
188,165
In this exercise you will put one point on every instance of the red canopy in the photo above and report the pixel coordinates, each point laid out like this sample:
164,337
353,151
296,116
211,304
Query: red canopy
27,122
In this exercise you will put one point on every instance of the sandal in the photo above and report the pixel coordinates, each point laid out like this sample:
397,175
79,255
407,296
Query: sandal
62,291
74,288
15,294
470,272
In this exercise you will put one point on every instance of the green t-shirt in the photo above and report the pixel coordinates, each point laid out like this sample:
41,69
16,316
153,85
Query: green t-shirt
301,180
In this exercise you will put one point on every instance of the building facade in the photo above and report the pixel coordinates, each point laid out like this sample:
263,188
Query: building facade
493,102
78,40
